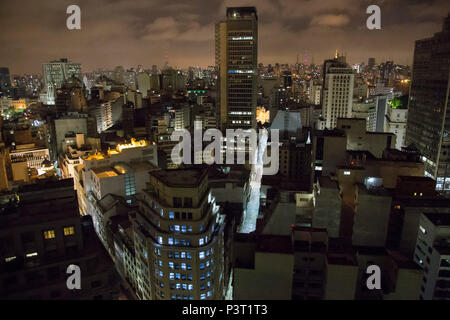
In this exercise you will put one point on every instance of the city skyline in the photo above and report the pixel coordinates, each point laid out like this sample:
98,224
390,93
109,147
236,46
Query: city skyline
183,34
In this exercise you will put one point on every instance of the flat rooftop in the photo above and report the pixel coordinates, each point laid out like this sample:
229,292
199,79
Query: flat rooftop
326,182
439,219
106,172
275,244
191,177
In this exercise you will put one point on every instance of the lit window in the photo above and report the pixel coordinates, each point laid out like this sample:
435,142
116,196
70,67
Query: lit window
170,241
171,215
177,228
30,255
347,173
190,287
171,276
423,230
68,231
49,234
201,255
183,266
160,240
203,296
201,241
9,259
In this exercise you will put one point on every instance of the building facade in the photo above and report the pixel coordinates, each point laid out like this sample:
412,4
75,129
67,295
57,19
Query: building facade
428,125
179,238
236,60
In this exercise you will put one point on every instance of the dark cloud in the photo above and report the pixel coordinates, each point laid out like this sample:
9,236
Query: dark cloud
128,33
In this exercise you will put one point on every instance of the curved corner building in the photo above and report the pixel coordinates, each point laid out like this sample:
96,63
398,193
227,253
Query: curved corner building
179,238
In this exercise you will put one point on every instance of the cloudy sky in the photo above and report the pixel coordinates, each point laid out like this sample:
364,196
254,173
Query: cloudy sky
181,32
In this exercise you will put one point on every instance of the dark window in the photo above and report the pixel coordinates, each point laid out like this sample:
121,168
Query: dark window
444,273
177,202
188,202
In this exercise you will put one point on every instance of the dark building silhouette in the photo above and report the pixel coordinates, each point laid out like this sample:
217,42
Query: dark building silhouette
41,234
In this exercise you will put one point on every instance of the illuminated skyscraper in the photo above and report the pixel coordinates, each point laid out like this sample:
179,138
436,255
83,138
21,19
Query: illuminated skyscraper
236,60
58,72
428,126
337,94
178,236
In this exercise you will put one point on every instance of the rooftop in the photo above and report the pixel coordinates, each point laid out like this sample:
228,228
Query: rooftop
439,219
186,178
105,172
275,244
326,182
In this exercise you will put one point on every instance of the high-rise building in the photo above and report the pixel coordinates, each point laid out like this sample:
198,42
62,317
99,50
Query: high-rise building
236,60
337,93
5,82
58,72
119,73
144,84
314,93
178,238
377,114
396,118
182,117
433,254
428,125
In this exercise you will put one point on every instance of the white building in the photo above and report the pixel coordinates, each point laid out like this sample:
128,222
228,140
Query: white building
396,123
182,117
122,172
337,95
103,115
315,93
433,254
143,83
55,74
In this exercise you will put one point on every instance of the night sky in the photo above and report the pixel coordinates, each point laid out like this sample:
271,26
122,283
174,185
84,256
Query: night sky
181,32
